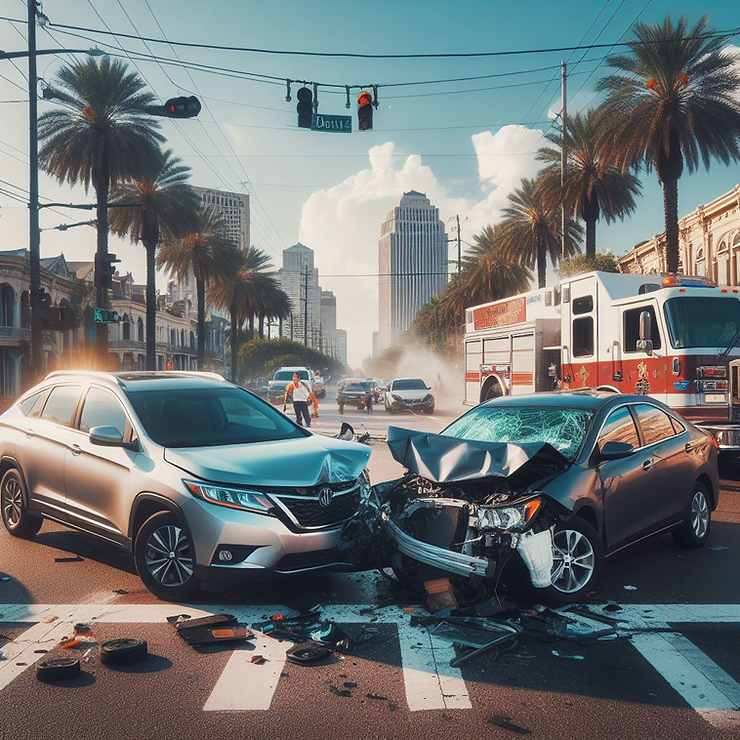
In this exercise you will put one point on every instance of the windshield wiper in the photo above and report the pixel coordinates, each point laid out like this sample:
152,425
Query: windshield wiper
731,344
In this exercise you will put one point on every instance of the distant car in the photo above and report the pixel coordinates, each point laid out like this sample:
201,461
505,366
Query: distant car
199,479
560,480
276,387
408,393
354,393
319,387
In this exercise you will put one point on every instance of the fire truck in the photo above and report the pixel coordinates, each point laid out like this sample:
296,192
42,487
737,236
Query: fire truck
671,337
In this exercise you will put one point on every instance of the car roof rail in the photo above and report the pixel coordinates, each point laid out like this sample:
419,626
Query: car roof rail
85,373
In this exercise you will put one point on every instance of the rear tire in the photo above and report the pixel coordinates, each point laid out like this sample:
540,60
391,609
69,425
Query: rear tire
579,561
165,557
694,530
13,497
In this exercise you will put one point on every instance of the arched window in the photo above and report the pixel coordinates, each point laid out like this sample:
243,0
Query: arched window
192,340
723,264
701,265
7,305
139,330
25,310
126,328
173,337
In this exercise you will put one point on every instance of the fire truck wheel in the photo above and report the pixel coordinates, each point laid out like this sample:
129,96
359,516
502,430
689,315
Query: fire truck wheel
693,532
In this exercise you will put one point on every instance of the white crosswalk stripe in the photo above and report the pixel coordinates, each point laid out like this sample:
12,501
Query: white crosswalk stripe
430,681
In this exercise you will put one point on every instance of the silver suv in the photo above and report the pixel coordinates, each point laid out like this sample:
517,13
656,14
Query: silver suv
199,479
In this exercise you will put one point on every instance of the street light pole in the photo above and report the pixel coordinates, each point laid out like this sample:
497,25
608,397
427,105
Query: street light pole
34,241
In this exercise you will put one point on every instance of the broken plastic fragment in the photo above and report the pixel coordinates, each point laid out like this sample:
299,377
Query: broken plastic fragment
49,618
630,588
536,552
571,657
718,548
257,659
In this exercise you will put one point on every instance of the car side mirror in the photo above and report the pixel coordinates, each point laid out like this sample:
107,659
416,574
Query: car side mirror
429,387
644,343
110,437
615,451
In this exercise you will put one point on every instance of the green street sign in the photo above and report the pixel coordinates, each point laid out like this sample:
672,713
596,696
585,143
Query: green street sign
102,316
336,124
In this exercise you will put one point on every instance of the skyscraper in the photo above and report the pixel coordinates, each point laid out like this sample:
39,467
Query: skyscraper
297,271
233,208
412,264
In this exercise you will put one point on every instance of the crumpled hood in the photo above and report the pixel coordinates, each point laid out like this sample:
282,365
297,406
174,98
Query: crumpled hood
301,462
445,459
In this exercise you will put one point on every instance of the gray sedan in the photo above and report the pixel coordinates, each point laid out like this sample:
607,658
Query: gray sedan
563,480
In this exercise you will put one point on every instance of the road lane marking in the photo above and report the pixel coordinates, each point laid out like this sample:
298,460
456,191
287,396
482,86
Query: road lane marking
700,682
245,686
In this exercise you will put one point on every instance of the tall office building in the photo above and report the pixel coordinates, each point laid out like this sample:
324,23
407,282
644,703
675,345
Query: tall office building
333,340
297,273
233,208
412,264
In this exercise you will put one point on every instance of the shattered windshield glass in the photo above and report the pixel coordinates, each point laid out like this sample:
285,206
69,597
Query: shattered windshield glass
564,429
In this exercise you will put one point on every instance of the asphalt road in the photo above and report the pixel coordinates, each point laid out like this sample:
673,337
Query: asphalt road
398,684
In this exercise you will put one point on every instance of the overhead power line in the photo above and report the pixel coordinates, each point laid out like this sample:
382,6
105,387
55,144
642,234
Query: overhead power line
359,55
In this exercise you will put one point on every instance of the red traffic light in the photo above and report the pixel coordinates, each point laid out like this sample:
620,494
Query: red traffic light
364,98
185,107
365,111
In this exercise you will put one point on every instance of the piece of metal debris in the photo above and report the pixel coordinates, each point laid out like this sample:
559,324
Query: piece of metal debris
75,559
4,578
307,653
258,659
630,588
563,655
502,722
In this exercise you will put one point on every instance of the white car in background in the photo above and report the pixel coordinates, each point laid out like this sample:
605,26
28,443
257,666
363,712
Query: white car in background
409,393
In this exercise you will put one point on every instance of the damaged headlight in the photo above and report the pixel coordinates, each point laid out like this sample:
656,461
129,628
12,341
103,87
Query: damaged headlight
515,517
233,498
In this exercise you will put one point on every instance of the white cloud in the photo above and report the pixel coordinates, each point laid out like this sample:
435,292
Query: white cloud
342,223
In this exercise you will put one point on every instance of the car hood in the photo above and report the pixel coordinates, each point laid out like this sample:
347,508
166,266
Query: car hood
410,395
449,459
302,462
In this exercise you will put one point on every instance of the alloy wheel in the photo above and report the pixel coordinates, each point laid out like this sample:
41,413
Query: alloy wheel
573,561
12,501
699,514
168,556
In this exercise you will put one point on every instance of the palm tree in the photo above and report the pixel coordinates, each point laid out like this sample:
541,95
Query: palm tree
102,134
594,187
530,231
672,103
487,275
161,204
212,256
237,293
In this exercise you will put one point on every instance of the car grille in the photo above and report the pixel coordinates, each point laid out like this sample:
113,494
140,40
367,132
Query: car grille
310,514
304,560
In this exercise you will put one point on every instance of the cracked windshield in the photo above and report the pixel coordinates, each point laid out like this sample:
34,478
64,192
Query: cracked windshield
309,315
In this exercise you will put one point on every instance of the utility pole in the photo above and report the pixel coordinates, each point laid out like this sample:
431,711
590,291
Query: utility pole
291,326
459,246
305,307
563,159
34,241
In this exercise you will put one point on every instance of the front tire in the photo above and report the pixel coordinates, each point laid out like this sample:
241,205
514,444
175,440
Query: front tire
165,557
16,517
578,561
694,530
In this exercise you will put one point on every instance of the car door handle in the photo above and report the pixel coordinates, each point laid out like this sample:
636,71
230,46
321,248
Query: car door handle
647,465
688,447
75,449
30,433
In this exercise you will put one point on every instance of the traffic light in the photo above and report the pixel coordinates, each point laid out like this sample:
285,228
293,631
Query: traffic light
57,318
187,107
305,107
44,299
106,270
365,111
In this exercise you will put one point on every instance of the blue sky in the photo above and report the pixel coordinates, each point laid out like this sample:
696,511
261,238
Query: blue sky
466,150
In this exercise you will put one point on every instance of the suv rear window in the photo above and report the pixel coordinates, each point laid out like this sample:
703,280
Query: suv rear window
61,404
287,375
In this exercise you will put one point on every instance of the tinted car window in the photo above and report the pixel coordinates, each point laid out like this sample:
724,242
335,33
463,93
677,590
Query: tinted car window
287,375
619,427
563,428
202,417
102,409
26,405
60,406
656,424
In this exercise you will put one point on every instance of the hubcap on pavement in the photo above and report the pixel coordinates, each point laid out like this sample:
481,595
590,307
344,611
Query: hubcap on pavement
573,561
168,557
12,502
699,514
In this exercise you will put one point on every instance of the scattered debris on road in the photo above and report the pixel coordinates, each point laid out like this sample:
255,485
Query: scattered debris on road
211,630
503,722
57,669
123,651
75,559
718,548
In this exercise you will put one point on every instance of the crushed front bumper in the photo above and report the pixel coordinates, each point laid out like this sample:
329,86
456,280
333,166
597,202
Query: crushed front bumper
438,557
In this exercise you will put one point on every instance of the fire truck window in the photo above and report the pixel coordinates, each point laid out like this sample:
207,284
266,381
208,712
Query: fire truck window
584,304
583,337
619,427
632,328
655,424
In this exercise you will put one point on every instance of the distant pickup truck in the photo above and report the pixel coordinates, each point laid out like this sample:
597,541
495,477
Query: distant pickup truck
276,387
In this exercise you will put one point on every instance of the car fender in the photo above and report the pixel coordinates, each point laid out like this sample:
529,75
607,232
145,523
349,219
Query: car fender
160,500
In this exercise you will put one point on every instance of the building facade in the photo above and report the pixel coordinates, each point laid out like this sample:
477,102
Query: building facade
412,264
708,243
233,208
299,279
333,340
